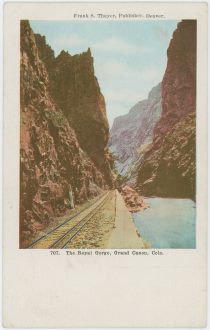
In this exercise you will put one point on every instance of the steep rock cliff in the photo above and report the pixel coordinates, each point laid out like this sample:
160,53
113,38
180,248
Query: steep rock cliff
52,161
75,89
131,134
168,168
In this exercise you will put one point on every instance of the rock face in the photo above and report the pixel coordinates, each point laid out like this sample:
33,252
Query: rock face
133,201
168,168
53,159
76,91
131,134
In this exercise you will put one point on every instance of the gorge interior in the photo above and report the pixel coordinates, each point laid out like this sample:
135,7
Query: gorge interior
65,138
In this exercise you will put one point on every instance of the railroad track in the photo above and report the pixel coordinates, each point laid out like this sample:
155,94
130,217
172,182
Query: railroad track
62,235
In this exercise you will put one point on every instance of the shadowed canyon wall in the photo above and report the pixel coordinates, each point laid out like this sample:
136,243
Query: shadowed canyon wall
168,168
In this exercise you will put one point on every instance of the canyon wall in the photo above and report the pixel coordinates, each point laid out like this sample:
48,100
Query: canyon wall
132,133
75,89
55,153
168,168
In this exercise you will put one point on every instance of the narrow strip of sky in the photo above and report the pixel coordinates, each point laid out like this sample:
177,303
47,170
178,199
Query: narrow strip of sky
130,57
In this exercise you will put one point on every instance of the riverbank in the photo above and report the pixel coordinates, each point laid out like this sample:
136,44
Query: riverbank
124,235
133,201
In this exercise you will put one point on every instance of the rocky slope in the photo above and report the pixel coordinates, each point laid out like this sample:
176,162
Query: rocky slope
168,168
53,159
131,134
133,201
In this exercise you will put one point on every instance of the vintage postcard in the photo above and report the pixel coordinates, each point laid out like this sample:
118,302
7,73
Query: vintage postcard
105,169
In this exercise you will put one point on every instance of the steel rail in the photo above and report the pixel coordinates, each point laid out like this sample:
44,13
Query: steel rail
89,216
63,223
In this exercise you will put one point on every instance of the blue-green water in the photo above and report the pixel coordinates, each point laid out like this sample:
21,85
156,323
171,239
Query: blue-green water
168,223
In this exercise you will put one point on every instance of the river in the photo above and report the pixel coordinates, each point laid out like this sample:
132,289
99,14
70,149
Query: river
168,223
